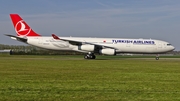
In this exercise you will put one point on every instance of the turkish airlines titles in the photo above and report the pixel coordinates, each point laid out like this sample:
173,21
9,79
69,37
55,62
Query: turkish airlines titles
134,41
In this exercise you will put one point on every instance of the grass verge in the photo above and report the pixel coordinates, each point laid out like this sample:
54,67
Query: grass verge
73,78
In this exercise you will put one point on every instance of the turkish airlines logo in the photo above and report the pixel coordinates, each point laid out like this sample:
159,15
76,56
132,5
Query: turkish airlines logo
21,28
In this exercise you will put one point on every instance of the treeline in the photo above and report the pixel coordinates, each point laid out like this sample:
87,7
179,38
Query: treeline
31,50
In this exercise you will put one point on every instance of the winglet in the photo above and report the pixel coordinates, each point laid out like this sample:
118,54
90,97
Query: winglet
55,37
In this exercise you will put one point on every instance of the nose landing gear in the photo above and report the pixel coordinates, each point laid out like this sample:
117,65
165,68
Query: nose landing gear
157,57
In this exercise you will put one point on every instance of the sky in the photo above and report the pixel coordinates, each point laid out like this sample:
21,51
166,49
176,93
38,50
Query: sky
155,19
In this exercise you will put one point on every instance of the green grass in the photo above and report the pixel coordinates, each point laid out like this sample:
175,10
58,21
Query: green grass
68,78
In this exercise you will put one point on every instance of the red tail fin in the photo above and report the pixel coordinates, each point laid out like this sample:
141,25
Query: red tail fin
20,26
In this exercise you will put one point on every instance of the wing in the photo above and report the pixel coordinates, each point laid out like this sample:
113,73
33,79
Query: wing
80,42
22,39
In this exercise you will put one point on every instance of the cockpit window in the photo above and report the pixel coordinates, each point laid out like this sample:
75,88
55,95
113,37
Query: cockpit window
168,44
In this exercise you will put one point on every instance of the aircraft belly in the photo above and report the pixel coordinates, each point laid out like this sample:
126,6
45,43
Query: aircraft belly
130,48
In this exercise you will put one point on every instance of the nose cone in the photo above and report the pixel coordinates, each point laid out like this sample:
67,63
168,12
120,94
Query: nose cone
172,48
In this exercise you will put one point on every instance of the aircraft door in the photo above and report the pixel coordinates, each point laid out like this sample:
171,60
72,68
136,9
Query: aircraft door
159,45
128,45
164,45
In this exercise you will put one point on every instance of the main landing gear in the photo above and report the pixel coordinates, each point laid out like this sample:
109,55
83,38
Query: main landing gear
157,57
89,55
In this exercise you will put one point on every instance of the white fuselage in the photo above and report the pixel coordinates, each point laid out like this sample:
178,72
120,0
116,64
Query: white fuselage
121,45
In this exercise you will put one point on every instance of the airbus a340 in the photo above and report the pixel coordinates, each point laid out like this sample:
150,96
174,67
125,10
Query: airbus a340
89,46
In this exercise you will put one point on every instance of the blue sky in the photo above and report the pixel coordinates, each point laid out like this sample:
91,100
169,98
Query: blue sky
157,19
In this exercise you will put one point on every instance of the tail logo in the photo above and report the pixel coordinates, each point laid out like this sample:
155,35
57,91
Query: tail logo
21,28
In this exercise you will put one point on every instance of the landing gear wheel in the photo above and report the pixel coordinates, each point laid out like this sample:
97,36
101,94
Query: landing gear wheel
89,56
93,57
157,58
85,57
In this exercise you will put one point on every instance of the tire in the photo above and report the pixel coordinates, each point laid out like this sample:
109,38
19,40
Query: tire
85,57
157,58
94,57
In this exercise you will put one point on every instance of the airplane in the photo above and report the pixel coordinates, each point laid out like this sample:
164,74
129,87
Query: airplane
89,46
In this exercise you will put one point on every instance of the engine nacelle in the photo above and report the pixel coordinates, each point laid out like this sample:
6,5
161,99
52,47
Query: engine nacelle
108,51
86,47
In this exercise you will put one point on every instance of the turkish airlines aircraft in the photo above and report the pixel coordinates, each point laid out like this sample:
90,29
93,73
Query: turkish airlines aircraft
107,46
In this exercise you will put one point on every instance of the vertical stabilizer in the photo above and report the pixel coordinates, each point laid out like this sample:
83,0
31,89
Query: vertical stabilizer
21,27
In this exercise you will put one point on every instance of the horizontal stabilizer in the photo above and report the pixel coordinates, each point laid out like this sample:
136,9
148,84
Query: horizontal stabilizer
22,39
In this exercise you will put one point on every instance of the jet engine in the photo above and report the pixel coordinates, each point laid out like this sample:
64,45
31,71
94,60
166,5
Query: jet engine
108,51
86,47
